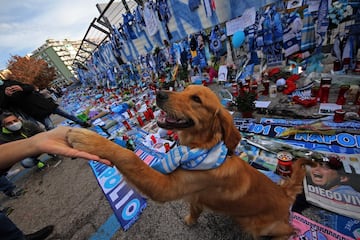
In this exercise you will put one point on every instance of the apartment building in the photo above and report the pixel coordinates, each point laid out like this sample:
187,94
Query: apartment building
60,54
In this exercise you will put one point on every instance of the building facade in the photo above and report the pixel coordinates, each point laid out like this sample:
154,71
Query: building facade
60,54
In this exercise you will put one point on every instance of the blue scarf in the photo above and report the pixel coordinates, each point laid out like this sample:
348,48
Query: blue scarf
191,159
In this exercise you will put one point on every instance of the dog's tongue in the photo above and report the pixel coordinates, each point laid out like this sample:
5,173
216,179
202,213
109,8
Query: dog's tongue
164,118
171,120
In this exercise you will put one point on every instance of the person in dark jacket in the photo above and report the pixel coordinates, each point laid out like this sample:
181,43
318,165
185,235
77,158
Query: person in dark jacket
24,97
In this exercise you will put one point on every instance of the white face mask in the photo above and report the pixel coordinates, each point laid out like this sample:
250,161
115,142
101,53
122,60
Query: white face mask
15,126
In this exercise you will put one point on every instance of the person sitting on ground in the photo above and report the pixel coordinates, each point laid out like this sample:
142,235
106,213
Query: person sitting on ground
54,142
12,129
22,96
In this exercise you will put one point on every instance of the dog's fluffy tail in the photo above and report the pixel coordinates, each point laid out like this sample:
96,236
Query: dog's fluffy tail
293,186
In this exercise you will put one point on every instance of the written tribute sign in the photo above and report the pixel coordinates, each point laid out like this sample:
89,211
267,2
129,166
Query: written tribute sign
125,201
341,142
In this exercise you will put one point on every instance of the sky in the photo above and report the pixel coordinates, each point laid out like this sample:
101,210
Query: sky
25,25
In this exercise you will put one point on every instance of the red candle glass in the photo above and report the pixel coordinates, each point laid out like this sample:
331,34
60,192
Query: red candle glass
266,84
341,96
315,90
127,125
130,113
284,165
339,116
153,139
324,93
151,113
337,65
147,116
141,123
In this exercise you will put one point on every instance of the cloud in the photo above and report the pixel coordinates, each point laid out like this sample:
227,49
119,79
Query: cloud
26,25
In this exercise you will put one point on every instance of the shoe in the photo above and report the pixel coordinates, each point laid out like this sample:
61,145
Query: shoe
7,210
12,173
41,234
16,193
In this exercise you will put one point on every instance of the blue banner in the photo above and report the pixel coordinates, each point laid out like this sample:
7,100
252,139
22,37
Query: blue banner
341,142
125,201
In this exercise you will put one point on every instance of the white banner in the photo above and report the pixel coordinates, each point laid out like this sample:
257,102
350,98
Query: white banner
246,20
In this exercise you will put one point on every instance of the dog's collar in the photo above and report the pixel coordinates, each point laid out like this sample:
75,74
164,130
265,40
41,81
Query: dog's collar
191,159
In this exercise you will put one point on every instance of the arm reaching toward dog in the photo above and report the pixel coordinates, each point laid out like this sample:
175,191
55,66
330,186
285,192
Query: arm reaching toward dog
53,142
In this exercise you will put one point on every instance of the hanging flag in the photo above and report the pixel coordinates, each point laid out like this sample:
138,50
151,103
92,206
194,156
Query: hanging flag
150,20
322,24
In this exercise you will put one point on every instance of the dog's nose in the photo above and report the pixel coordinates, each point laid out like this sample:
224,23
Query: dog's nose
161,96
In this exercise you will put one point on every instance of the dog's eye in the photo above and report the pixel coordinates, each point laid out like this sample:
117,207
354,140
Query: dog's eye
196,98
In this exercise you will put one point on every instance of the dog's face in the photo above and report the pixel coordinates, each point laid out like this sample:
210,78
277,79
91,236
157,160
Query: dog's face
198,117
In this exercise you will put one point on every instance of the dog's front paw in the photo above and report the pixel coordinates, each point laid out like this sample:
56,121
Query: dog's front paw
189,220
86,140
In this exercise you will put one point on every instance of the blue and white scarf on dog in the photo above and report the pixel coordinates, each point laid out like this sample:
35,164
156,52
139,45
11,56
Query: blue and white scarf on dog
191,159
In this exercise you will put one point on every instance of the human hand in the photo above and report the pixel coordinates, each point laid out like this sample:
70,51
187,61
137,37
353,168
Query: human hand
12,89
55,142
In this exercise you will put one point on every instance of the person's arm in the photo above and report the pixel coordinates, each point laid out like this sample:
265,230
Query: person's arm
53,141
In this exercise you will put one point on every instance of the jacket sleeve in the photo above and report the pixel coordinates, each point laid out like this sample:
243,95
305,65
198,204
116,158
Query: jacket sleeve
32,127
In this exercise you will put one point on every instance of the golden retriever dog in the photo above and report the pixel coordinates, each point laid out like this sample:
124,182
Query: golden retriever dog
234,188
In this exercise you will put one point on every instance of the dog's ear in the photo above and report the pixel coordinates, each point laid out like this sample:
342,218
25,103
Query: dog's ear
230,134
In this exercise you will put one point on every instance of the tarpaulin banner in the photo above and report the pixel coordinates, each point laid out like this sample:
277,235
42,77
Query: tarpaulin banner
125,201
339,142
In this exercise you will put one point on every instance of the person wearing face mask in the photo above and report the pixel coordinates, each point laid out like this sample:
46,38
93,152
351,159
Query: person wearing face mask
13,128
